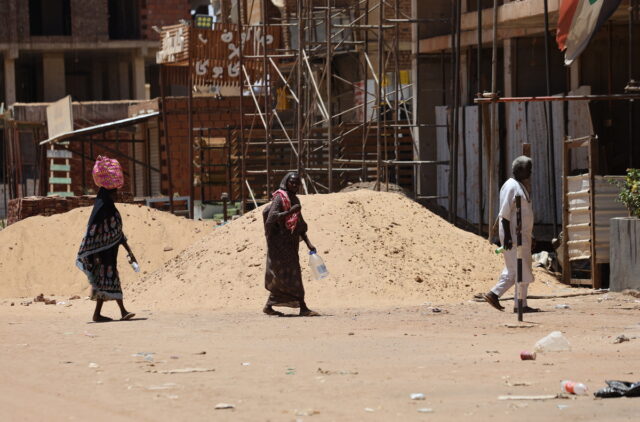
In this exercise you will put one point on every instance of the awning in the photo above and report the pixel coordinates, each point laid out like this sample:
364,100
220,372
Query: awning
101,128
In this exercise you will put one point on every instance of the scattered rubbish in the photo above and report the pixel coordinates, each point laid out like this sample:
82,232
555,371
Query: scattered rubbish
541,397
573,387
329,372
308,412
518,325
165,386
425,410
88,334
605,297
554,342
563,406
26,303
368,409
183,370
621,339
147,356
525,355
41,298
168,249
562,306
75,297
291,371
174,357
201,353
515,383
246,363
417,396
221,406
93,365
619,389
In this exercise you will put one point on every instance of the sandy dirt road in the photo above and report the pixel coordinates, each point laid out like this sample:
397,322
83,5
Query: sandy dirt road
354,364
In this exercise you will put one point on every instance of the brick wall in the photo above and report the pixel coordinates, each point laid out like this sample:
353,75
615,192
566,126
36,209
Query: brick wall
4,20
161,13
90,20
208,112
21,208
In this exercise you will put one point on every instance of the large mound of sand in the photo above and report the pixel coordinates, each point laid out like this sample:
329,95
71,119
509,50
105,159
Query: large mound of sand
37,255
380,248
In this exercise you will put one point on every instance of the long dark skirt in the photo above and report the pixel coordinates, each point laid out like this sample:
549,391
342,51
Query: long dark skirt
283,277
104,278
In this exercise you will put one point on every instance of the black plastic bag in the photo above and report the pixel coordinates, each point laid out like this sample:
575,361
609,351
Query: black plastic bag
619,389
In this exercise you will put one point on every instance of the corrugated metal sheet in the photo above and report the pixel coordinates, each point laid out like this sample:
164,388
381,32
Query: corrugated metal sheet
527,123
606,208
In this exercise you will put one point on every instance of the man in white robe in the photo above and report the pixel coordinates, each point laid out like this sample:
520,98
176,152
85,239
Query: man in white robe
521,169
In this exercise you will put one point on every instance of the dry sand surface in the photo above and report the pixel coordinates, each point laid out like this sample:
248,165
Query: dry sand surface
396,320
37,255
380,248
353,364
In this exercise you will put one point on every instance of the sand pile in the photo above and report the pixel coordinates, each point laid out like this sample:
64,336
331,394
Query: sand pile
38,253
380,248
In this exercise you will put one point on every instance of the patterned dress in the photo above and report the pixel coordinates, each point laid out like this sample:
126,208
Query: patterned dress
283,277
98,254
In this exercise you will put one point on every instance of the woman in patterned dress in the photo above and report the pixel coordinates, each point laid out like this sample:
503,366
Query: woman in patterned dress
98,254
284,227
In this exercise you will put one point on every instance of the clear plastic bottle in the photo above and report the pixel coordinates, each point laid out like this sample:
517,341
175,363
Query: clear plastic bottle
316,264
499,250
134,264
573,387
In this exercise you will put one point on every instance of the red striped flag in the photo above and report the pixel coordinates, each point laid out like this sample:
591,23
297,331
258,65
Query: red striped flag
578,21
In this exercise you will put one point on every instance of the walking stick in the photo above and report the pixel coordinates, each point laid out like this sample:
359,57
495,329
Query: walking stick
519,255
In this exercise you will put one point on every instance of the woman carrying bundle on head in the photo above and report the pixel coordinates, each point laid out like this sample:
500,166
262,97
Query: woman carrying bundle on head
283,228
98,254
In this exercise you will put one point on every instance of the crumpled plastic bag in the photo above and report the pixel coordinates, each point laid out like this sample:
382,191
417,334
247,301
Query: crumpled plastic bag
619,389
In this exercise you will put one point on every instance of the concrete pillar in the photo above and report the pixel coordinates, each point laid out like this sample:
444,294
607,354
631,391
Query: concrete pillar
9,79
138,77
125,82
53,76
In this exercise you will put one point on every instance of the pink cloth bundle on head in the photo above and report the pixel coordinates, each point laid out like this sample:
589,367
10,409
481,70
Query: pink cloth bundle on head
107,173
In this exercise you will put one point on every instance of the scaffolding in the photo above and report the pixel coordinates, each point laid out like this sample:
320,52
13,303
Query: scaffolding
329,143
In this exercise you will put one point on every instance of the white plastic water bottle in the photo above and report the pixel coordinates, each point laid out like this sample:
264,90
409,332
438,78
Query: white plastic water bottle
133,263
573,387
316,264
